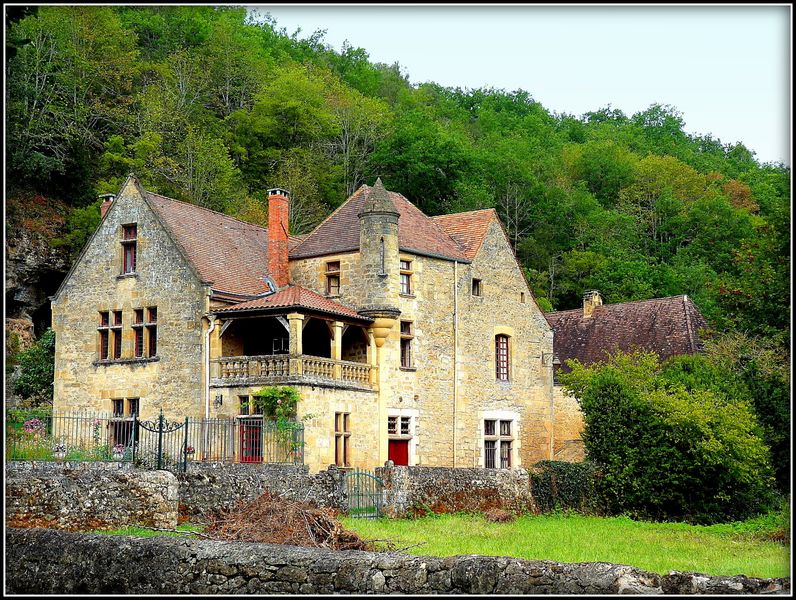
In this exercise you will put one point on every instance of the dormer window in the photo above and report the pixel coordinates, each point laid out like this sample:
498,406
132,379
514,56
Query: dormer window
129,248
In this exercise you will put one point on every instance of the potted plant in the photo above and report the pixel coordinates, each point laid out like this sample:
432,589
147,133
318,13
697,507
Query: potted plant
118,452
59,451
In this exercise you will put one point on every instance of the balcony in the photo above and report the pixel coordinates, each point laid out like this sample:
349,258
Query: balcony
292,349
231,371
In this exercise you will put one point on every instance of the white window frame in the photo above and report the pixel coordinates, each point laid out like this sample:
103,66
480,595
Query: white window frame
413,415
500,415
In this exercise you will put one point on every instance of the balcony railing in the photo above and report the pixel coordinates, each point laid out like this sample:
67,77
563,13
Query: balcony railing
243,370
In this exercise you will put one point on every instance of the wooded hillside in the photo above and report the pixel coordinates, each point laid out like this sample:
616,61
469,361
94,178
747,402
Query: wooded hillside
208,107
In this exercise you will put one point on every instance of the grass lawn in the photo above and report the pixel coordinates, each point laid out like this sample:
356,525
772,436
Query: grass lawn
144,532
725,549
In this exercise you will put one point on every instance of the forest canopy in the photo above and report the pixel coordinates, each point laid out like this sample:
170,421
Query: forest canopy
208,106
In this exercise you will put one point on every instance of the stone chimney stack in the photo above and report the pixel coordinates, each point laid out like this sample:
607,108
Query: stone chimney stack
278,214
591,300
107,200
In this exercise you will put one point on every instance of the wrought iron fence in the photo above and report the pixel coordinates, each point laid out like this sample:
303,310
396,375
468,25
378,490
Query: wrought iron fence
155,444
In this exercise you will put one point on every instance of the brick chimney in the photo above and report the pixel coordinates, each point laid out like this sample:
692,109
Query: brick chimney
278,212
107,200
591,300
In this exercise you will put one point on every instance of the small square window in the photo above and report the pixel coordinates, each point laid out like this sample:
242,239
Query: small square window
489,427
132,406
118,407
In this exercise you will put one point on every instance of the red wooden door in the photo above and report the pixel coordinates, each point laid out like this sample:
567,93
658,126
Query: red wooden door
398,452
251,432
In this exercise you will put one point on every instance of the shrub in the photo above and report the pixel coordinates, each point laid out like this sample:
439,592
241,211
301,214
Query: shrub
277,401
672,445
36,371
561,486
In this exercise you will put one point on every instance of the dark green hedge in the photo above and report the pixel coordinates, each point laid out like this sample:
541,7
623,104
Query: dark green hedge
558,485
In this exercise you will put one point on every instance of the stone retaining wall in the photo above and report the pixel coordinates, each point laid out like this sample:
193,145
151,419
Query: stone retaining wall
410,490
69,563
206,488
90,498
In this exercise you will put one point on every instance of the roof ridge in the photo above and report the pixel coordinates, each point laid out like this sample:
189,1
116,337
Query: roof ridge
435,224
466,212
215,212
558,312
333,213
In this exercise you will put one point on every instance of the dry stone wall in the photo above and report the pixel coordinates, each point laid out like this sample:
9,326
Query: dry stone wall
100,498
69,563
414,490
207,488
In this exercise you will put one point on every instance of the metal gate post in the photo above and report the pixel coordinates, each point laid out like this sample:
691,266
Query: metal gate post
185,448
160,441
135,430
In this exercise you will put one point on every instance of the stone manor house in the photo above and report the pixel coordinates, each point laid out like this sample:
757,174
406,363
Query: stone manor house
408,337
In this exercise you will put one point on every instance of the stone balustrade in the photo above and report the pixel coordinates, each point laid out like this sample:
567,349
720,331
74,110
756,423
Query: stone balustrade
244,370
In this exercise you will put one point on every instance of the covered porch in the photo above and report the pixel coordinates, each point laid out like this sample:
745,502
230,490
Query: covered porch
268,344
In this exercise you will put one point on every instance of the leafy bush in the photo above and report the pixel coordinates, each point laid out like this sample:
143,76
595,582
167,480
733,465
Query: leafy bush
277,401
37,369
671,442
561,486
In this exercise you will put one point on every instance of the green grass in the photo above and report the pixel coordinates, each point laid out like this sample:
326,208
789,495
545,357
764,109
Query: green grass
143,532
725,549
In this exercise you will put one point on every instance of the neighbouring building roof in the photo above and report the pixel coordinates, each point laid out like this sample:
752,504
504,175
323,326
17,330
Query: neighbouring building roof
417,232
229,253
467,229
666,326
295,297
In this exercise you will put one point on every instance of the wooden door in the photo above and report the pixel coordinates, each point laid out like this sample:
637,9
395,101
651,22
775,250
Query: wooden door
398,452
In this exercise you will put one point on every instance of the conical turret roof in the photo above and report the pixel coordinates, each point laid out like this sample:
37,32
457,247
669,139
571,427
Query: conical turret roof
378,200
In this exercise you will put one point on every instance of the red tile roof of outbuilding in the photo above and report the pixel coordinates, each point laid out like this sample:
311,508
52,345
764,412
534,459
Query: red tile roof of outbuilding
666,326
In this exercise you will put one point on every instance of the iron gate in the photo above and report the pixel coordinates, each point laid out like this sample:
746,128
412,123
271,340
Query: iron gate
162,444
364,492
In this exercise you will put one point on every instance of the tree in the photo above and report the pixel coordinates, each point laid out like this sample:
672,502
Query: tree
36,371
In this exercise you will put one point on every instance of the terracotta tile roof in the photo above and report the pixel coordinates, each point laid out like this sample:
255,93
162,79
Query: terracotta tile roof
229,253
295,240
666,326
416,232
296,297
468,229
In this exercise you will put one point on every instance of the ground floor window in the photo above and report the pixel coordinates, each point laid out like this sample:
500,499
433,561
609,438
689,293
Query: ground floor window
123,428
498,443
342,439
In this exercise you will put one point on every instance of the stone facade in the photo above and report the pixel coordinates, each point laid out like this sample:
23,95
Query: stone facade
447,389
568,426
70,563
173,379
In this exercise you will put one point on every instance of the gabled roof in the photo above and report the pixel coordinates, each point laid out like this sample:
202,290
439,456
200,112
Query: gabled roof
228,253
468,229
417,232
295,297
666,326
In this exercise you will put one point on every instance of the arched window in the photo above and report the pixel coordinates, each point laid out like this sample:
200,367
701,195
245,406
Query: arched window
502,357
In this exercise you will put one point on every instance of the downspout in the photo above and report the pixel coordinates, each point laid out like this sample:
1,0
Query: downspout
552,402
455,351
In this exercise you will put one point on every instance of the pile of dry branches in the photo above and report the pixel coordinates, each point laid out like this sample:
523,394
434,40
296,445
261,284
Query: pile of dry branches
276,520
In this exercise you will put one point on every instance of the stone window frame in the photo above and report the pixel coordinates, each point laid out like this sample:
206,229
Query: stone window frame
476,287
413,415
513,438
503,353
129,248
333,278
342,439
407,345
121,424
406,279
151,331
103,336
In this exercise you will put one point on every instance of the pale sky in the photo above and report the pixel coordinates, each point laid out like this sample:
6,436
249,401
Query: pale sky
725,68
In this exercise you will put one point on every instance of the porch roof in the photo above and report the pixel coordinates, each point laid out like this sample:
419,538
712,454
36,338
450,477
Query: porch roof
298,298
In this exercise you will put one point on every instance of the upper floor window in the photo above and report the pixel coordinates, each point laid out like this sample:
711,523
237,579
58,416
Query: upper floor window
407,335
129,248
110,335
502,357
476,287
152,330
138,333
104,335
333,278
406,277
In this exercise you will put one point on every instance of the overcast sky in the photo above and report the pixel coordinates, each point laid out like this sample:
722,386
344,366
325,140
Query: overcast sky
725,68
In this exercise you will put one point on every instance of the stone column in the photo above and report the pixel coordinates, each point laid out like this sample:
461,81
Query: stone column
337,349
296,323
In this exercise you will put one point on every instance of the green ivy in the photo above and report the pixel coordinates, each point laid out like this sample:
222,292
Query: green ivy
561,486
